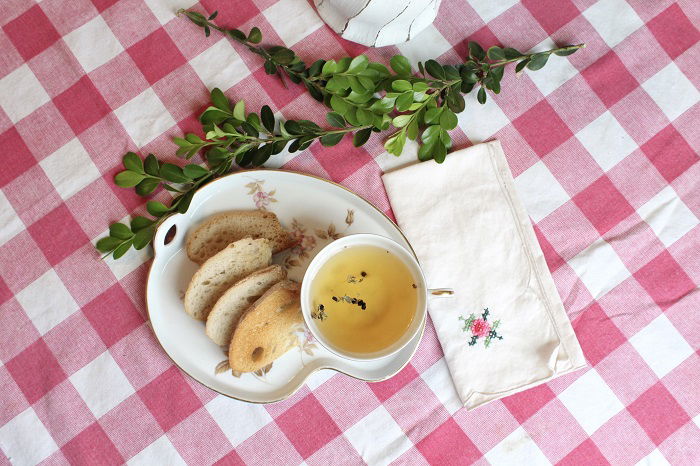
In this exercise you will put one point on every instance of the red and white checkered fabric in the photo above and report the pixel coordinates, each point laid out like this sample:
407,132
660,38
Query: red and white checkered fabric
603,151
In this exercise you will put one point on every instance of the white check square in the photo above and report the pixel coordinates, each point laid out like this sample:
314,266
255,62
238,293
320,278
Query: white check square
93,44
540,191
47,302
517,448
489,9
10,223
292,20
21,93
102,384
426,45
655,458
228,414
614,20
668,216
25,439
437,377
606,140
591,401
164,10
161,451
144,117
672,91
378,428
490,120
599,268
70,168
661,346
559,70
220,66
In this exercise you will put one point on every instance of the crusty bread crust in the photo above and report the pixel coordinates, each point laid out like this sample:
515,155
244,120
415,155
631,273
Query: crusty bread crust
222,229
265,331
224,316
225,268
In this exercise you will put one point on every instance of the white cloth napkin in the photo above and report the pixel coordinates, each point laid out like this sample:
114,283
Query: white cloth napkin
505,329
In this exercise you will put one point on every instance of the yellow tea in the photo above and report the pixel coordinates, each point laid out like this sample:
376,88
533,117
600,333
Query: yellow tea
364,299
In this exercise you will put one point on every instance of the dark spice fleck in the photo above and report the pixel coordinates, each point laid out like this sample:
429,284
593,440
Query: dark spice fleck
363,273
335,298
414,285
319,313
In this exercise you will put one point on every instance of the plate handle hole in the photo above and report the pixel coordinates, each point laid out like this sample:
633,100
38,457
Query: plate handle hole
257,353
170,235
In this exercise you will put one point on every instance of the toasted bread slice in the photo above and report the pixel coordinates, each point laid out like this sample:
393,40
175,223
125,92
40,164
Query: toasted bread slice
228,309
265,331
217,274
220,230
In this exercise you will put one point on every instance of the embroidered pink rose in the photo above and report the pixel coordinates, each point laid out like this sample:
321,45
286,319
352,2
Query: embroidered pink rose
480,328
261,199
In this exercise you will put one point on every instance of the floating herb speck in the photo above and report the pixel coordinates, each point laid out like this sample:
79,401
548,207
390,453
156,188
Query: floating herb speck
414,286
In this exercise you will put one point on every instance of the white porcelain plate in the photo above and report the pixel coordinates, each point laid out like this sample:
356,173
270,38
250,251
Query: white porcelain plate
316,211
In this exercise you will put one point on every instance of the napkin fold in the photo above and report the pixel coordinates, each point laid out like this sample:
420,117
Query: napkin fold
505,329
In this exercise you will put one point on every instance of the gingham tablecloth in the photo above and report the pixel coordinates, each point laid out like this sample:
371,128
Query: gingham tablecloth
604,150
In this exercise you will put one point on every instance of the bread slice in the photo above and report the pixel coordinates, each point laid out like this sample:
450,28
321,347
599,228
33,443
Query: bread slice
225,268
219,230
266,330
228,309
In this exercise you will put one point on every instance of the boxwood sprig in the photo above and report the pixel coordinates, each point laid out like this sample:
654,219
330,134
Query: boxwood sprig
368,93
363,97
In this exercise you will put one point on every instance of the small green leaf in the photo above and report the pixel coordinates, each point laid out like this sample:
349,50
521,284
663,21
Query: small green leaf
364,117
332,139
339,105
121,250
239,110
143,237
337,83
147,186
496,53
439,153
139,223
127,179
213,15
431,134
329,67
316,67
255,36
521,65
361,137
335,119
194,171
432,115
120,231
394,145
425,152
564,53
268,118
538,61
107,244
293,127
448,120
270,67
151,165
455,101
401,120
412,130
481,95
254,120
404,101
358,64
511,53
173,173
236,35
157,209
282,55
420,86
401,85
384,105
435,69
219,100
400,65
476,52
133,162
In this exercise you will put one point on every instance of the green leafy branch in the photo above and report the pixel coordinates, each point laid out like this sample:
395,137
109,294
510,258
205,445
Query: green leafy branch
368,94
363,97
